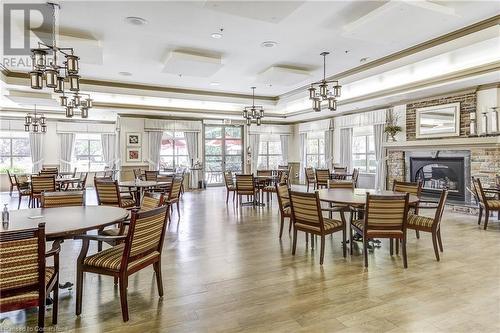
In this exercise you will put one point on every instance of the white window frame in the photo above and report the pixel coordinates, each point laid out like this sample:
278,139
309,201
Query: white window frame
74,160
266,154
13,136
366,154
174,154
318,154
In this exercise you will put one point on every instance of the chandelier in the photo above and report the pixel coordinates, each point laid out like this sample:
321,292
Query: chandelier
35,122
56,74
325,93
254,113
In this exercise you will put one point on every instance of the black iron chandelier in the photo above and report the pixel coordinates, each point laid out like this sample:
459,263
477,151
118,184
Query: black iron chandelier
35,123
325,93
253,114
56,74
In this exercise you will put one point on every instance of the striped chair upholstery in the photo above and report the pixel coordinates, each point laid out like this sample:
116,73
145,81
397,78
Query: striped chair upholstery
23,189
494,204
284,205
487,201
264,173
405,187
339,169
151,175
322,177
24,278
342,184
142,247
40,184
307,217
310,178
63,199
151,201
174,195
245,185
420,221
108,194
228,180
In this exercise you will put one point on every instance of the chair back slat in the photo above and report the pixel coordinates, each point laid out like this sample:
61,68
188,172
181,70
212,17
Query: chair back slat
175,190
228,178
151,201
414,188
268,173
339,169
322,176
306,209
310,175
22,261
384,212
341,184
151,175
478,189
283,196
43,183
245,183
107,192
63,199
440,209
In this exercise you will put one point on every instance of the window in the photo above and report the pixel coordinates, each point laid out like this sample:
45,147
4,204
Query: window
173,152
363,149
315,152
87,156
269,155
15,154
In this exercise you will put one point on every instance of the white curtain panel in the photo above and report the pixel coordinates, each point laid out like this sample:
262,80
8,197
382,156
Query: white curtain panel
346,148
303,156
328,149
154,149
108,142
284,148
66,145
192,146
378,135
254,140
36,148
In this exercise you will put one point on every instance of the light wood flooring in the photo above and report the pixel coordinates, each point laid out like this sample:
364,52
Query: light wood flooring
225,270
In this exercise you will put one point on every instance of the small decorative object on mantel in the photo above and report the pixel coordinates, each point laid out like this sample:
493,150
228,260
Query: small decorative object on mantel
484,123
494,120
472,124
392,128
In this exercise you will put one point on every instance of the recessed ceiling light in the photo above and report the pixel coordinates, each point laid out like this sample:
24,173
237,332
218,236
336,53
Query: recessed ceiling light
135,20
214,83
216,35
269,43
125,73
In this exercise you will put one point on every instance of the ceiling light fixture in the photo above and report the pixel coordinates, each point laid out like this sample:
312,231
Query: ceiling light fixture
269,44
254,113
218,35
35,123
325,93
125,73
135,20
46,67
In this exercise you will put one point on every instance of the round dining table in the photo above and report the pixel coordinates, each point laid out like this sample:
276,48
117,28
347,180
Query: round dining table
139,185
356,197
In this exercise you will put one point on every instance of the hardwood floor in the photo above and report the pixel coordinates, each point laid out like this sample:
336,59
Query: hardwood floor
225,270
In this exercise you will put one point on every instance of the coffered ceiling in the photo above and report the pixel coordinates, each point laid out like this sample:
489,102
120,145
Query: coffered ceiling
176,38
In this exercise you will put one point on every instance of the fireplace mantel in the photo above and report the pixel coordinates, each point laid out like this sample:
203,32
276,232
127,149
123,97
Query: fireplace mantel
488,141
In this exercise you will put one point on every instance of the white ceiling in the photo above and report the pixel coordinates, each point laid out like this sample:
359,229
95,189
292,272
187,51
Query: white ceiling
302,30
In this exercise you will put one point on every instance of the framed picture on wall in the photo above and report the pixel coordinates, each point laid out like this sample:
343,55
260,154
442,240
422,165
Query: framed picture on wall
134,155
134,139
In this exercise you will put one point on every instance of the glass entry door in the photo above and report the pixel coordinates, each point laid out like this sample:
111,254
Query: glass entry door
223,152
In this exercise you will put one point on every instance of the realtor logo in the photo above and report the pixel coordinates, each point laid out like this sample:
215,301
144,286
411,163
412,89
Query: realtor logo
15,13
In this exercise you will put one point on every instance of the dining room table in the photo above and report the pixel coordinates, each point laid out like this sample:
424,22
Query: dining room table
64,222
139,186
356,197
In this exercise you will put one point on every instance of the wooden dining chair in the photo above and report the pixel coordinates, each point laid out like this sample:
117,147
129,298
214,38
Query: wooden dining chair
266,185
166,186
339,173
307,217
414,188
385,217
151,201
229,182
63,199
151,175
486,203
310,178
284,206
141,248
23,189
245,185
25,279
12,181
138,174
355,176
322,178
430,224
174,196
40,184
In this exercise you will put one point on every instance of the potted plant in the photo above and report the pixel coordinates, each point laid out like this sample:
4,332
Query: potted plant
392,128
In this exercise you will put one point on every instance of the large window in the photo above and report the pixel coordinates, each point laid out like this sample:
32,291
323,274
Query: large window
87,155
315,151
269,155
173,152
15,153
363,149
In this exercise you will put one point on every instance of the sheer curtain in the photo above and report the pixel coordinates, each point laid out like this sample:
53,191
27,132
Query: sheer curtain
192,146
303,156
254,140
284,149
328,149
346,148
66,145
108,142
154,149
36,148
378,136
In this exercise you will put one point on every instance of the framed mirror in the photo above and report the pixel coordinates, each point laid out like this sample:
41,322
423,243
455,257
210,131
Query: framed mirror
438,121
